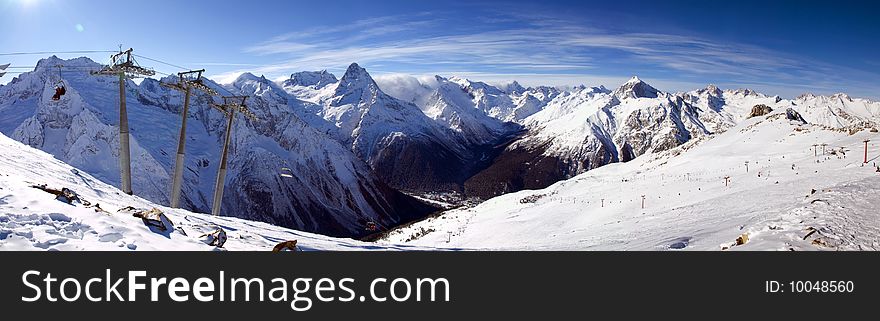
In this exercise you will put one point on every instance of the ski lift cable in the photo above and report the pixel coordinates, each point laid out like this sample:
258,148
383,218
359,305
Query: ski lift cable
181,68
94,51
54,52
162,62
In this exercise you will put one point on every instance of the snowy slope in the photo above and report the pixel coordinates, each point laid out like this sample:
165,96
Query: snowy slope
31,219
687,205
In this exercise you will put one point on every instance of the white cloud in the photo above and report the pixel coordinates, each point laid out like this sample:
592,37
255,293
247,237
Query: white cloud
405,87
544,49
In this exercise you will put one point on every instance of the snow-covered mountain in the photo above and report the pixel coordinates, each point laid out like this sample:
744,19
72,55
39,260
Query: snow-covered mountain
428,149
314,79
306,85
331,191
759,185
588,128
512,104
451,106
591,127
101,219
838,111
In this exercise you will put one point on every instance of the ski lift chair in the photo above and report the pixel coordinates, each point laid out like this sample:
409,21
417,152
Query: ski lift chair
60,90
286,172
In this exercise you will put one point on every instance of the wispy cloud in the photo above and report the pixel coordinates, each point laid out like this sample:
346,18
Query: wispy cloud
542,47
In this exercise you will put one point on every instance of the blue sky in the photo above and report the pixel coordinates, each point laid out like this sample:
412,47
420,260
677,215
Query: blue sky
784,47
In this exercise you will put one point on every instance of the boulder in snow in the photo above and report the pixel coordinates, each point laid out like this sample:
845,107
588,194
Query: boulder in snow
216,238
154,218
760,110
65,194
742,239
286,246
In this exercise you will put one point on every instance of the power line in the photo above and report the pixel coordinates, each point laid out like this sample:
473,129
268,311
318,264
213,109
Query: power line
99,51
163,62
64,67
179,67
54,52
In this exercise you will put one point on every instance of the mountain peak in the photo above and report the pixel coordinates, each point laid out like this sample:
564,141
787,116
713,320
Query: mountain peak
636,88
53,61
356,84
513,88
746,92
807,95
712,90
842,96
247,76
318,79
356,76
355,69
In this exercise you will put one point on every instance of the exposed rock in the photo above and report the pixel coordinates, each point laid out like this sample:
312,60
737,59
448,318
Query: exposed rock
153,218
742,239
760,110
65,195
531,198
216,238
286,246
792,114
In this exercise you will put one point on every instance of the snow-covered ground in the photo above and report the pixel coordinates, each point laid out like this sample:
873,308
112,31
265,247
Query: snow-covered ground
31,219
686,202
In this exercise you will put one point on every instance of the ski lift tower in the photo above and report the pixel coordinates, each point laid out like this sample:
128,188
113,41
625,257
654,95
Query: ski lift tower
187,81
123,65
230,105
